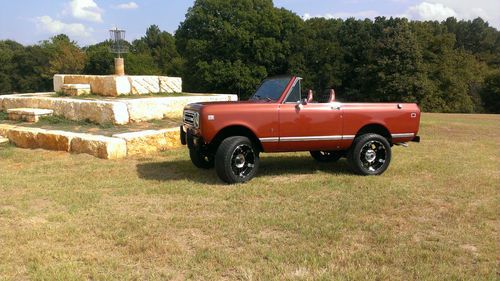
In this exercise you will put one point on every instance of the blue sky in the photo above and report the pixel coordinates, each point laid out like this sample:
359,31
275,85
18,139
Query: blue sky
88,21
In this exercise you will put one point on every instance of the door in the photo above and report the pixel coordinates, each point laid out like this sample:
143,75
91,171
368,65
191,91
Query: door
310,126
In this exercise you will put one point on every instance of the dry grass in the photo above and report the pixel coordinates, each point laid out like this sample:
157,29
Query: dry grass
433,215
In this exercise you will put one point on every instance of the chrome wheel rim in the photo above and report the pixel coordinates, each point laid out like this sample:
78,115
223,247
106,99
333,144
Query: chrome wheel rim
242,160
373,155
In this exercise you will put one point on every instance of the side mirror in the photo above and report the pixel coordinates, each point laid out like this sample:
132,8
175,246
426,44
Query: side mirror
301,103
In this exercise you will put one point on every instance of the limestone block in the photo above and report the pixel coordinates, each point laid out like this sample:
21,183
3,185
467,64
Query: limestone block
99,146
76,89
122,85
5,128
146,109
55,140
24,137
58,81
170,84
144,142
28,114
144,84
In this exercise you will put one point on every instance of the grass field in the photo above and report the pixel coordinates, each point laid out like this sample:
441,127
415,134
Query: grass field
434,215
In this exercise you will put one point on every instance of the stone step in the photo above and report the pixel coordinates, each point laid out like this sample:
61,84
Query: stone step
76,89
28,114
3,140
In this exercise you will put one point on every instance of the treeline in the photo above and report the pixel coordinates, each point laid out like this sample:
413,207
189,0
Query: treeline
229,46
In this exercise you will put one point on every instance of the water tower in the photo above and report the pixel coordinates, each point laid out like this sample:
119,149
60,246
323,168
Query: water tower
119,46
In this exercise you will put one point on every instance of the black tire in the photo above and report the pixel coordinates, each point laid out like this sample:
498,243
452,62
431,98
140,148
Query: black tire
370,154
202,160
327,156
237,160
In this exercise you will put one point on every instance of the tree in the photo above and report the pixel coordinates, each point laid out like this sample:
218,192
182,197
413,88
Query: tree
8,49
65,57
490,93
231,45
317,55
160,45
100,60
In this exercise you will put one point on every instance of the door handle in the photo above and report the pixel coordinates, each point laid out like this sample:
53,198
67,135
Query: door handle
336,107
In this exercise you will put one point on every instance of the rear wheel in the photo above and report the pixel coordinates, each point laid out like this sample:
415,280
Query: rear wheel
327,156
236,160
370,154
202,159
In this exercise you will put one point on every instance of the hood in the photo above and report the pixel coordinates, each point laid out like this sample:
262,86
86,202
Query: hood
198,105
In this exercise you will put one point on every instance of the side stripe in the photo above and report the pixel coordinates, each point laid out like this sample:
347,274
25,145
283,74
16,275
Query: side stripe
308,138
403,135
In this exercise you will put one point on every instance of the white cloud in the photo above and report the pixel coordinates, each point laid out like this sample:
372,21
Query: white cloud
85,10
430,11
344,15
461,9
53,26
127,6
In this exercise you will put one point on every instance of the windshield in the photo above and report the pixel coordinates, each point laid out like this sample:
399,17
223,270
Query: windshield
271,89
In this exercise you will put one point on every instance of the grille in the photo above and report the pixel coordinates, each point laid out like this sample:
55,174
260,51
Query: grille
189,117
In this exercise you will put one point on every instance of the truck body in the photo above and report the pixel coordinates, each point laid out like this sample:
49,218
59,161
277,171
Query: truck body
279,119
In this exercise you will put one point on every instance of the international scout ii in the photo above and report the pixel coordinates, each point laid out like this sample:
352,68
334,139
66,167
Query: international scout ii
277,118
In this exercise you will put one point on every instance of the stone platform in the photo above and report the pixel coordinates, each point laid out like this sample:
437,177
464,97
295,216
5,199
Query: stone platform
118,111
115,147
115,85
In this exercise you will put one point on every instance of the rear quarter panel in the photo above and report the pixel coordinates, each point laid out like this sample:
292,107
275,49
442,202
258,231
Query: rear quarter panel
402,120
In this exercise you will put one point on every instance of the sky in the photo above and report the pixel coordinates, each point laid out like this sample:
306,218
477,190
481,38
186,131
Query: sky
89,21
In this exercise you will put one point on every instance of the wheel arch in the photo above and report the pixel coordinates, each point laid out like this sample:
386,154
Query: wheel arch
375,128
235,130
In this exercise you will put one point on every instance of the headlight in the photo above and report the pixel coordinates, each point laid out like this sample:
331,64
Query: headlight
196,120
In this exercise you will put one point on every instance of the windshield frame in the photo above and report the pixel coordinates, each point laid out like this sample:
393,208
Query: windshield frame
279,97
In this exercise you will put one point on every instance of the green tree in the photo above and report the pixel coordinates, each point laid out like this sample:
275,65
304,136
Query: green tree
161,46
231,45
490,93
100,60
65,57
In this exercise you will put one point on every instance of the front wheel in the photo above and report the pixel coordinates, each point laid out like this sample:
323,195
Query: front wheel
327,156
236,160
201,159
370,154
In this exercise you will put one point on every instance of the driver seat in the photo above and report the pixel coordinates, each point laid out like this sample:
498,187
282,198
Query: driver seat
309,96
332,96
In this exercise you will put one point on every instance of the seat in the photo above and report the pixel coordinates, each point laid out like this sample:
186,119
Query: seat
309,96
332,96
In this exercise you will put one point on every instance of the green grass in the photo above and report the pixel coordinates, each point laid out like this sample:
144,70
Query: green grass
3,116
434,215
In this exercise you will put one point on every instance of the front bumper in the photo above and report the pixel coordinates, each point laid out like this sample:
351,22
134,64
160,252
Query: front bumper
416,139
189,138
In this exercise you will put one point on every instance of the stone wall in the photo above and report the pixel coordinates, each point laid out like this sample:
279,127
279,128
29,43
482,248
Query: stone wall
112,85
116,111
116,147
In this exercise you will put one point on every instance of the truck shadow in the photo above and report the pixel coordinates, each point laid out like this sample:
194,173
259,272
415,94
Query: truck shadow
269,166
